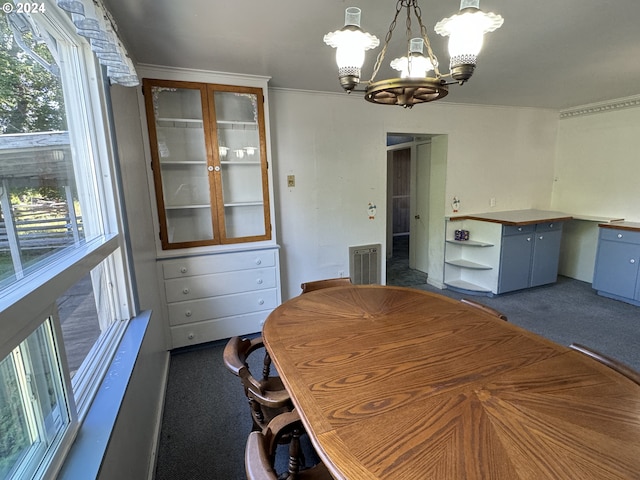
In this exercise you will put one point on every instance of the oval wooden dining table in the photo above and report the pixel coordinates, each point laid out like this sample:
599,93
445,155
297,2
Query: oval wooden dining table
398,383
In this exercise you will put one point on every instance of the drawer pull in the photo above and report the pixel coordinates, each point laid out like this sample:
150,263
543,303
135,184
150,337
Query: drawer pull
185,290
541,237
551,225
183,269
187,313
619,235
519,229
258,261
259,281
261,302
528,239
633,260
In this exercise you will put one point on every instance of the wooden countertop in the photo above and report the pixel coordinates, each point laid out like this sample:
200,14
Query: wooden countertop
633,226
517,217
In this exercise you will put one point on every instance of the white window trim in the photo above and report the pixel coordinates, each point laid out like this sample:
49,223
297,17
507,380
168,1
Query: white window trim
25,305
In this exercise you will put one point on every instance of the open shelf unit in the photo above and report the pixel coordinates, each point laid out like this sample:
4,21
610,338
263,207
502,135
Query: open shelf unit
471,266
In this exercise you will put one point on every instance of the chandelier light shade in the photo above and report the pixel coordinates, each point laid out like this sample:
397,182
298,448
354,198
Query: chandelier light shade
350,43
420,80
416,65
466,33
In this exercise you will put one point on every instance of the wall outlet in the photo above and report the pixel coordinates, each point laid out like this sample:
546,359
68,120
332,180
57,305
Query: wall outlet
492,201
291,180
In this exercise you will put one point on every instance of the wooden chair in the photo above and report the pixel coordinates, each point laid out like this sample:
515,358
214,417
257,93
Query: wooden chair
267,396
260,452
612,363
329,282
484,308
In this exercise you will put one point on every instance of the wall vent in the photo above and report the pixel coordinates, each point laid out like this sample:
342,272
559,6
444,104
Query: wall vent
364,264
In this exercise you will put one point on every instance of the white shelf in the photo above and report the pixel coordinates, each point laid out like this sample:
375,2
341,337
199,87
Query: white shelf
236,125
243,204
179,122
470,243
182,207
461,284
461,262
239,162
183,162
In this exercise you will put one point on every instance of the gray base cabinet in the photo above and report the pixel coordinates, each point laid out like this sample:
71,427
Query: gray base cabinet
529,256
618,264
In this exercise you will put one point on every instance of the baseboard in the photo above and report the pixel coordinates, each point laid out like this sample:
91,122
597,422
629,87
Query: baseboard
153,458
436,283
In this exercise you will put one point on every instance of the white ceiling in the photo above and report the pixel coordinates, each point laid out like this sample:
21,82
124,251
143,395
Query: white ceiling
549,53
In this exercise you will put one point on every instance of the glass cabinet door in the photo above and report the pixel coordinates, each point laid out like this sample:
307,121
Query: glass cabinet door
208,149
180,156
243,176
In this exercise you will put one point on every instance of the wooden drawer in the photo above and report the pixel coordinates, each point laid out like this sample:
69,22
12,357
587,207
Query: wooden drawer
202,286
618,235
217,263
225,306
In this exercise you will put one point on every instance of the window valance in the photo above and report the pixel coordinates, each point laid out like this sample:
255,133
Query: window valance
93,21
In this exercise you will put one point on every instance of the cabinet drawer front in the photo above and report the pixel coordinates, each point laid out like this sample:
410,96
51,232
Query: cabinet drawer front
216,307
517,229
202,286
618,235
216,329
548,226
222,262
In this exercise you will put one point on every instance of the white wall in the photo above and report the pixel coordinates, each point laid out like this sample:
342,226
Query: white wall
335,145
596,173
132,446
598,164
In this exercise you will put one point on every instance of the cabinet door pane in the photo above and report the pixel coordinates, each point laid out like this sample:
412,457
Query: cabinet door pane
242,166
182,159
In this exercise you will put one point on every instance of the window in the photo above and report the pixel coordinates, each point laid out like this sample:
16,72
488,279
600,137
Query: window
65,287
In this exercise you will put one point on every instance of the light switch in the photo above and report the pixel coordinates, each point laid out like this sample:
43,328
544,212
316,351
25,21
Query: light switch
291,180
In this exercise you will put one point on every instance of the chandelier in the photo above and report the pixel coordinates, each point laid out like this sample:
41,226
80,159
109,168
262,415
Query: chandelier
420,79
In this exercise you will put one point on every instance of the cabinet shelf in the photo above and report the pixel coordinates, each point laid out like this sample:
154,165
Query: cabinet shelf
182,162
469,243
183,207
234,162
462,263
462,285
236,125
244,204
179,122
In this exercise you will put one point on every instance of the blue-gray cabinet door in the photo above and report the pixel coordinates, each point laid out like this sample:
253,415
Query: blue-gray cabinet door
515,262
616,269
546,254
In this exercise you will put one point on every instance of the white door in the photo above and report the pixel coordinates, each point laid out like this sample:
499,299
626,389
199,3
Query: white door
419,245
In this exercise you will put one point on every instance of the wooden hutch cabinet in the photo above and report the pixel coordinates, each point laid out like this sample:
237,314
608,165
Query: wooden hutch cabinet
218,262
209,162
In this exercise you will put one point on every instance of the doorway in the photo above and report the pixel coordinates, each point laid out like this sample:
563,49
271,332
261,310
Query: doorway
408,187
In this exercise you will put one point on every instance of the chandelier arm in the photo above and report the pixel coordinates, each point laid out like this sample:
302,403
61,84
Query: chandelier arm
423,30
387,39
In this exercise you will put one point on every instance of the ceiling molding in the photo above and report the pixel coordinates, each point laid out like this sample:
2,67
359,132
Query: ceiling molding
619,104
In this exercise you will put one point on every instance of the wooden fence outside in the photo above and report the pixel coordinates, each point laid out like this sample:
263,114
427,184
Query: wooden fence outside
40,226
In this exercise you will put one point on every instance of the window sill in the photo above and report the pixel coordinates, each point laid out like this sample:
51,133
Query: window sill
90,445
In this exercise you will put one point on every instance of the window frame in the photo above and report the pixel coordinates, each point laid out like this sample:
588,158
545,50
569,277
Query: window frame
28,303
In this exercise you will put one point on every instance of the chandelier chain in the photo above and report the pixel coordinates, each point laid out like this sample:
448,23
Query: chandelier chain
387,39
423,31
